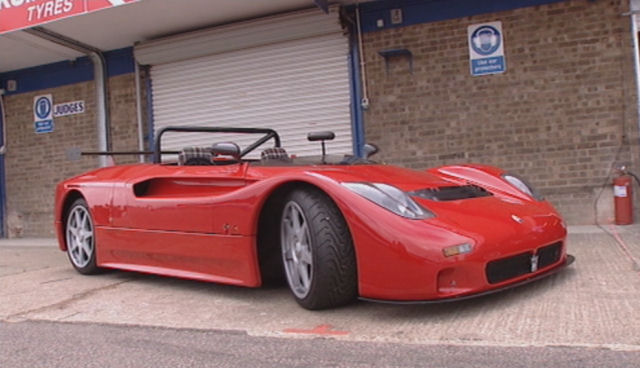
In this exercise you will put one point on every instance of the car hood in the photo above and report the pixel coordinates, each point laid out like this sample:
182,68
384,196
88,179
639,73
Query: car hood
509,216
405,179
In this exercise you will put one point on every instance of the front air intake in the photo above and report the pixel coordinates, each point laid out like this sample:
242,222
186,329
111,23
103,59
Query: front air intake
522,264
443,194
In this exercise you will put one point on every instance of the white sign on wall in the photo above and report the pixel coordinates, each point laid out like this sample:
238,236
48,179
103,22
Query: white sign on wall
68,108
486,48
43,114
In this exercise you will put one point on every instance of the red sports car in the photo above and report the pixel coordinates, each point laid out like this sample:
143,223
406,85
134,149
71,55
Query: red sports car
335,227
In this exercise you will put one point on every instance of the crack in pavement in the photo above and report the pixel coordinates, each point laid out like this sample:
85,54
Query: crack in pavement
56,280
24,270
63,303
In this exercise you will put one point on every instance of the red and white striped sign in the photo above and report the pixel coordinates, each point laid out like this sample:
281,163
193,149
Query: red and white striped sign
19,14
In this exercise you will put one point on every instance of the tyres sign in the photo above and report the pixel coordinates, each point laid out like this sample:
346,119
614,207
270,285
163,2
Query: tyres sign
19,14
43,114
486,48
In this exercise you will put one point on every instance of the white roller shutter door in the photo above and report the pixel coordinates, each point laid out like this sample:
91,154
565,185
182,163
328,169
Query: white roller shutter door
294,86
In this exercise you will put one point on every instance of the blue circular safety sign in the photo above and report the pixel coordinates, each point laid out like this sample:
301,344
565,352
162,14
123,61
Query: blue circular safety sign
43,108
485,40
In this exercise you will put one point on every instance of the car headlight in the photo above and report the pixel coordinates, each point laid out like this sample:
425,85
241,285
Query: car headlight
457,250
523,186
391,198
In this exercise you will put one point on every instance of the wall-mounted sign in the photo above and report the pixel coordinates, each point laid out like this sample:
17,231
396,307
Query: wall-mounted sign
43,114
68,108
486,48
18,14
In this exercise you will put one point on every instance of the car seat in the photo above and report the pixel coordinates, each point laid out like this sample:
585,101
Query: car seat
193,156
275,153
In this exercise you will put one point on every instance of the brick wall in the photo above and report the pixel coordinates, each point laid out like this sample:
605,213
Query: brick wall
564,111
35,163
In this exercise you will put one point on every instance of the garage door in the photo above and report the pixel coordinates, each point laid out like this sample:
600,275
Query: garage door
289,73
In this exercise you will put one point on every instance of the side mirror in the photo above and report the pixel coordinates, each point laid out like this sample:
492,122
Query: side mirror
226,149
370,149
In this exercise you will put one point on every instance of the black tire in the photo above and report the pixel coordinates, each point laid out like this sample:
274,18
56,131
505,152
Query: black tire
79,233
271,271
333,273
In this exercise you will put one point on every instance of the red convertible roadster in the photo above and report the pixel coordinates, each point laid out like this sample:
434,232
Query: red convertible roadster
335,227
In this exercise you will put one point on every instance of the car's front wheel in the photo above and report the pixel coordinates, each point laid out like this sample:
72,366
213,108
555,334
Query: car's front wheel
317,251
80,238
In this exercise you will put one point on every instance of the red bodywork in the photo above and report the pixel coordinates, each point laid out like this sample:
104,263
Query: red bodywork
201,222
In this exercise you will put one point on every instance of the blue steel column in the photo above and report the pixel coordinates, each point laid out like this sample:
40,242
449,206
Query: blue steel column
356,93
149,90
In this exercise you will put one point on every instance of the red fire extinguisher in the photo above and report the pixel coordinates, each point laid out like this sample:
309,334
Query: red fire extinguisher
623,198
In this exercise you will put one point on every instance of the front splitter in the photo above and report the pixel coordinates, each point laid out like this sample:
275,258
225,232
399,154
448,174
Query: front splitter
569,260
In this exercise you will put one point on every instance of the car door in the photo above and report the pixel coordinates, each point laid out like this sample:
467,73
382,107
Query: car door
170,219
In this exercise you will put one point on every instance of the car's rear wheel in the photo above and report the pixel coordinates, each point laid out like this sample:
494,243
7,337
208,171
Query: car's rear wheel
80,238
317,251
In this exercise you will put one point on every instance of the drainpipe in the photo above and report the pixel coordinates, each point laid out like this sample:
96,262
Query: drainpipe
634,5
139,110
100,76
3,150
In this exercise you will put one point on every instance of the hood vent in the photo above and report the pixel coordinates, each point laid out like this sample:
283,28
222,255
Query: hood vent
451,193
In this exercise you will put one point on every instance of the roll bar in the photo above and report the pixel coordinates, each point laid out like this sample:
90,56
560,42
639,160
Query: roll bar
268,134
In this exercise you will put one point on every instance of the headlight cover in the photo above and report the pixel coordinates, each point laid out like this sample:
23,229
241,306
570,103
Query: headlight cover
390,198
523,186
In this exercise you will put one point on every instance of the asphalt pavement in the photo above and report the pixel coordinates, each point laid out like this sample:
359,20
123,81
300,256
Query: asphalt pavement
588,315
97,345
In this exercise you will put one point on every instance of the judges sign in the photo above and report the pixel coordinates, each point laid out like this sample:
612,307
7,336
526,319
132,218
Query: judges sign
486,48
68,108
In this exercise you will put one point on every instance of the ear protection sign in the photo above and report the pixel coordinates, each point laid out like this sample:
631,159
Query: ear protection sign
485,40
493,40
486,48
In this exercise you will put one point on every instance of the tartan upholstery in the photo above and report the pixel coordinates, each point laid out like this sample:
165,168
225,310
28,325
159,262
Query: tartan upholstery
195,156
275,153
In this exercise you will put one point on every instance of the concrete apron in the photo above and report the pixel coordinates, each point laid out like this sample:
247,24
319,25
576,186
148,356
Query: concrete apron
594,303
